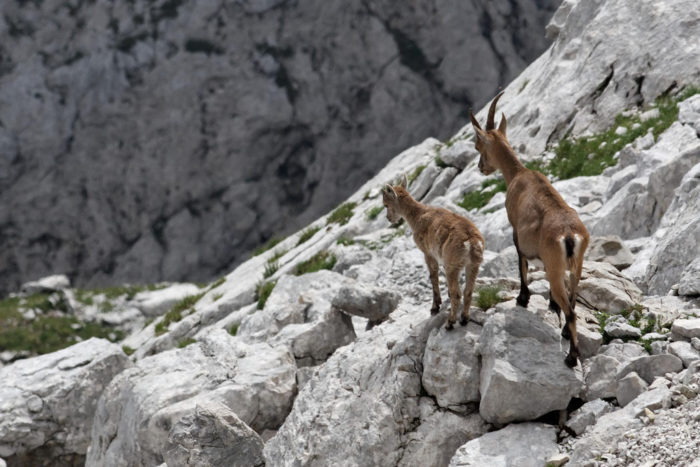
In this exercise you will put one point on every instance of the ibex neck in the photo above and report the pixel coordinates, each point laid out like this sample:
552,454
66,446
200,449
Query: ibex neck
411,210
508,162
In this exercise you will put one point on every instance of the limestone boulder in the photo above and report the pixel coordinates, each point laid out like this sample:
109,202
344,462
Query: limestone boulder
299,314
47,284
603,287
137,410
366,301
157,302
651,366
685,329
523,375
451,366
213,435
587,415
629,387
689,284
521,444
609,249
48,402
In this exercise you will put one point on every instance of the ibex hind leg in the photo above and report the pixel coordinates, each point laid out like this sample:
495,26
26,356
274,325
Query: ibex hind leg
471,270
455,295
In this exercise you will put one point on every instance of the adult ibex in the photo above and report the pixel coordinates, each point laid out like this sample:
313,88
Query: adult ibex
544,226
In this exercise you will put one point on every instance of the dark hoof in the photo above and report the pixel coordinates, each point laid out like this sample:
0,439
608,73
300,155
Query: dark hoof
523,300
570,361
434,311
554,306
450,326
565,332
463,320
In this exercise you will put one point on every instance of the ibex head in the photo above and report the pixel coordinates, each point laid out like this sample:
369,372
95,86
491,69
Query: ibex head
391,196
484,139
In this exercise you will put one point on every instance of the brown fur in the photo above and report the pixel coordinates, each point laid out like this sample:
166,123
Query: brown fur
442,236
544,226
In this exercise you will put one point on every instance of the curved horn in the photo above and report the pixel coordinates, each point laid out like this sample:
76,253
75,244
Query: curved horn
492,110
475,122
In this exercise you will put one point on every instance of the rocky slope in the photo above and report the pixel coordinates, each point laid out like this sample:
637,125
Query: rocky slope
163,140
322,350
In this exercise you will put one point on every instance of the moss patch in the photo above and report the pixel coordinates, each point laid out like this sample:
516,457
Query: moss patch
487,297
342,215
590,155
185,342
307,234
374,212
479,199
263,291
322,260
267,246
47,332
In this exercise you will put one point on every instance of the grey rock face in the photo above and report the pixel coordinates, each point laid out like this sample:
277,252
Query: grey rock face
629,387
686,328
523,375
685,351
48,402
690,279
137,410
603,287
451,366
617,329
182,134
363,300
651,366
587,415
213,435
611,250
528,445
601,377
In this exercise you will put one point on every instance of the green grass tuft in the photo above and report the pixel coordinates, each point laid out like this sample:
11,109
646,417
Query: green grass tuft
374,212
439,162
307,234
128,350
185,342
416,172
345,241
479,199
322,260
270,269
342,215
217,283
234,330
487,297
176,313
267,245
263,291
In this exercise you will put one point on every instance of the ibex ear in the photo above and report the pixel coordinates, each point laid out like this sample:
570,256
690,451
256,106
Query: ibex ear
480,135
502,125
404,181
388,190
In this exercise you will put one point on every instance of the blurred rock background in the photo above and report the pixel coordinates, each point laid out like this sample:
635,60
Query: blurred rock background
163,140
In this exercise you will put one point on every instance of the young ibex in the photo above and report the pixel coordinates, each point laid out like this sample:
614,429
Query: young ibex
544,226
444,238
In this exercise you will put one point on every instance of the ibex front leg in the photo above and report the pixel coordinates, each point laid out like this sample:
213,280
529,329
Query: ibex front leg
434,280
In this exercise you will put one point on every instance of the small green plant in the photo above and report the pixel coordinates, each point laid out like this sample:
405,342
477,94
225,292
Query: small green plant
525,83
185,342
307,234
128,350
342,215
176,313
416,172
217,283
234,330
479,199
106,306
278,254
270,269
374,212
263,291
267,246
439,162
345,241
216,296
322,260
487,297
